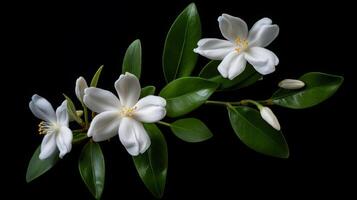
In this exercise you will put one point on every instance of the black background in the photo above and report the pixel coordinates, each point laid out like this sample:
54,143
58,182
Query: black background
54,43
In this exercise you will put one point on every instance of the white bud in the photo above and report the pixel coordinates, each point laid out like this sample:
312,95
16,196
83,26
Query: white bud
291,84
81,85
269,117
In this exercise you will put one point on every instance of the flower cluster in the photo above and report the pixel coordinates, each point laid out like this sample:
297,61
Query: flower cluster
134,114
123,116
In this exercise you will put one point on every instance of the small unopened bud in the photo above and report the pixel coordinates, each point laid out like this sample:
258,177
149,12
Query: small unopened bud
269,117
291,84
81,85
79,113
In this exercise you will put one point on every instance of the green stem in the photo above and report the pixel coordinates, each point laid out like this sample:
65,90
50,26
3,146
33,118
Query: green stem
217,102
242,102
85,112
80,130
164,123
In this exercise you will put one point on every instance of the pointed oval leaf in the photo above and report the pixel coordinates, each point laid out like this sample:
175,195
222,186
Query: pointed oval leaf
152,165
92,168
178,57
258,135
185,94
96,76
148,90
71,109
38,167
132,59
318,87
191,130
246,78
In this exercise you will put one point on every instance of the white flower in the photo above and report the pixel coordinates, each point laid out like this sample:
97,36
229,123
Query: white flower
269,117
124,116
291,84
54,126
81,85
241,46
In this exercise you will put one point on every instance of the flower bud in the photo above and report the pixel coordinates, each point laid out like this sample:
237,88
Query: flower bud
291,84
81,85
269,117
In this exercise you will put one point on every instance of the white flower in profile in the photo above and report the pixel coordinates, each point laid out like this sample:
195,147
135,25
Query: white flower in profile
268,115
54,126
124,116
81,85
291,84
241,46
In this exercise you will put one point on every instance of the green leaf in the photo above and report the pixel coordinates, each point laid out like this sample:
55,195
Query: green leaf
38,167
92,168
191,130
185,94
148,90
79,137
178,57
253,131
96,76
246,78
152,165
71,109
318,87
132,59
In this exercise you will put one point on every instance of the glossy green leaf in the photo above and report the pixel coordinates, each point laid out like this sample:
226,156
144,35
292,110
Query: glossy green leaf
132,59
148,90
71,109
246,78
92,168
185,94
253,131
38,167
318,87
178,57
96,76
152,165
191,130
79,137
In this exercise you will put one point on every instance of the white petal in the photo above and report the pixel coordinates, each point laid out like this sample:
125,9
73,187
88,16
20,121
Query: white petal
237,66
128,88
226,63
232,27
263,60
268,115
291,84
62,114
64,141
104,126
48,146
150,109
256,27
81,85
42,109
263,33
214,49
99,100
133,136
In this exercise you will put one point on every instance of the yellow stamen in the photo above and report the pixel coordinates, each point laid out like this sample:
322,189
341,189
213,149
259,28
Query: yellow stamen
127,112
44,128
241,44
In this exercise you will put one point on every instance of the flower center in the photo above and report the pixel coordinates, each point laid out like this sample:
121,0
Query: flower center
241,44
127,111
47,127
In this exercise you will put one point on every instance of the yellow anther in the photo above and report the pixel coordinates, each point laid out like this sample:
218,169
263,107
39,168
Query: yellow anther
241,44
127,112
